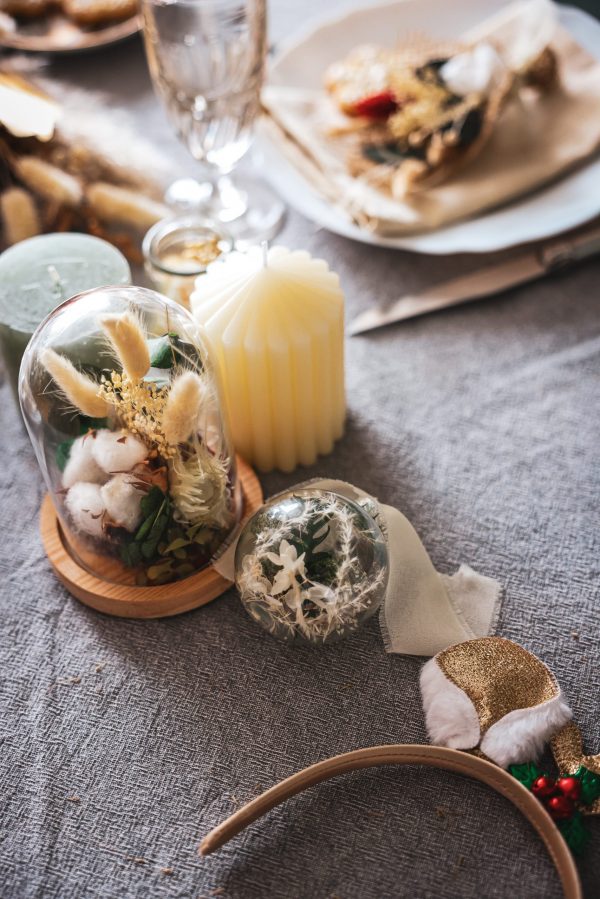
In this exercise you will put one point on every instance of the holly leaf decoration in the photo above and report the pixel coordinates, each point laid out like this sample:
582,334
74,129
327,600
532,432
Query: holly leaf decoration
526,773
575,833
590,784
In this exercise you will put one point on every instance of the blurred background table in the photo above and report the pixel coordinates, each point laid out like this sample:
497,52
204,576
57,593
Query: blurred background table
124,742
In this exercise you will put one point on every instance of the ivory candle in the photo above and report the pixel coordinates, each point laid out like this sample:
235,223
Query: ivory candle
275,320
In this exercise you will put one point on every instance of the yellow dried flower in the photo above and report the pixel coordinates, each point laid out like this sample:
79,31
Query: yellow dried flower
140,407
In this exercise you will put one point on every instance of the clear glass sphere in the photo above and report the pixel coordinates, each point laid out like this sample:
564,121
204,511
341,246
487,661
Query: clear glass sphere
311,565
122,404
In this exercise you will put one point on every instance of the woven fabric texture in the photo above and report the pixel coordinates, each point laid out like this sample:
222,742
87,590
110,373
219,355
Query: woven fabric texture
122,743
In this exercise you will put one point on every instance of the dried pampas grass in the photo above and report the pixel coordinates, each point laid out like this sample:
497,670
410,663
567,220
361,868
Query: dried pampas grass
128,342
80,390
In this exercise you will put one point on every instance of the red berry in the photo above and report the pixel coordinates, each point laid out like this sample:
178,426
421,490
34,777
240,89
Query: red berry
569,787
560,807
376,106
543,786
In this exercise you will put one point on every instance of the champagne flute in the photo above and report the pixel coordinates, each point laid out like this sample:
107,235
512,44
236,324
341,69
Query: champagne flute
207,61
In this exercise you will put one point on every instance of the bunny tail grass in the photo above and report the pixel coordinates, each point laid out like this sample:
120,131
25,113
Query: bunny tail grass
80,390
129,343
183,407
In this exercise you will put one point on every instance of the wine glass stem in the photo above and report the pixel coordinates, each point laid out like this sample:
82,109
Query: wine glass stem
232,202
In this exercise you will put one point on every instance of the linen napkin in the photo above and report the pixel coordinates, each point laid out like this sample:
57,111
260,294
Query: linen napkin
423,611
537,138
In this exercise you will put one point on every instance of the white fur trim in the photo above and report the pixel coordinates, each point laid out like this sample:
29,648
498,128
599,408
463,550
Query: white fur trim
449,713
522,734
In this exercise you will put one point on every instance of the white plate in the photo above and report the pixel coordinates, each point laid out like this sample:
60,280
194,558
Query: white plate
567,203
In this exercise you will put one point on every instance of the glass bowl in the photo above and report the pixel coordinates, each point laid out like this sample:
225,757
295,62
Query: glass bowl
311,566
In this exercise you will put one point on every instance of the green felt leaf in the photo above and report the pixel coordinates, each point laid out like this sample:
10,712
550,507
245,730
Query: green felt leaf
526,773
575,833
590,784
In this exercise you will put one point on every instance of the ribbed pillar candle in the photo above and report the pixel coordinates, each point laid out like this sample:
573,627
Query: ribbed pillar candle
275,320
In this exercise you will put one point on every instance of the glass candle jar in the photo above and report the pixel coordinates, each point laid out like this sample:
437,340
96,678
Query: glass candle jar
311,566
123,408
177,250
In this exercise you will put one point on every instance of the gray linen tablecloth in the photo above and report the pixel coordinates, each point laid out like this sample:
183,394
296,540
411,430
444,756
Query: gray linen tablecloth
124,742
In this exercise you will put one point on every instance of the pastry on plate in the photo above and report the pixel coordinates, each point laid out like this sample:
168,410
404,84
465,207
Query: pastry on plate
89,13
413,114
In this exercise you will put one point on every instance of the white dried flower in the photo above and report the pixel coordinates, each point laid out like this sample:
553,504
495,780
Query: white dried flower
290,564
81,465
117,451
122,499
252,577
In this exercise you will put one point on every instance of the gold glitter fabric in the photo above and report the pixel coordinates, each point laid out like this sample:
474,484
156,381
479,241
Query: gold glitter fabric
498,676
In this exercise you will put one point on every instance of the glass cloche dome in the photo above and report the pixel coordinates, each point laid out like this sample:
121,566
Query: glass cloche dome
123,408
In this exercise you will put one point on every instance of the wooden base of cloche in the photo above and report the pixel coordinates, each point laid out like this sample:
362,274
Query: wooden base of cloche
128,600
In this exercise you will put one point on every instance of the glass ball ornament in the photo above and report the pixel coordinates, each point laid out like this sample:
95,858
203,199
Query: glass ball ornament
122,404
311,565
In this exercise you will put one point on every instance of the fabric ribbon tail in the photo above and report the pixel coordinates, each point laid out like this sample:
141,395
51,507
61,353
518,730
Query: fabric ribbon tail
476,598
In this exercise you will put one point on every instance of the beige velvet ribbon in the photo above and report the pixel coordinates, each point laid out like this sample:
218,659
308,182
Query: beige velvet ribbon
423,611
536,139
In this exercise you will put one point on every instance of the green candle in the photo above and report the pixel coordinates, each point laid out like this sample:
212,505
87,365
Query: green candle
38,274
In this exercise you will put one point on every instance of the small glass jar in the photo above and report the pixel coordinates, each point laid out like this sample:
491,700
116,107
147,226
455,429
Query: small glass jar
311,566
177,250
122,404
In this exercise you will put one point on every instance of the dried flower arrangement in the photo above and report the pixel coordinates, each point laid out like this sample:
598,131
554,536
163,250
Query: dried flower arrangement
311,565
150,479
82,176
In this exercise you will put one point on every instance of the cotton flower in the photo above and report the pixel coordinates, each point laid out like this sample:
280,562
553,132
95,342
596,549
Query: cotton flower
81,465
122,500
116,451
86,508
291,565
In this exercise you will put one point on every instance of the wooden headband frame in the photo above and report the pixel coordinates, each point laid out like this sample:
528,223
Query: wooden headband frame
410,754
